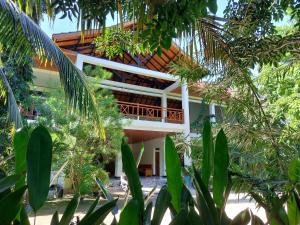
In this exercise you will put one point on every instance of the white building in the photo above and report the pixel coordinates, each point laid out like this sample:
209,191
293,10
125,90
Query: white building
153,101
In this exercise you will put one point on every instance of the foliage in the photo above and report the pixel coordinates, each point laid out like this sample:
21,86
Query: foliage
116,42
75,139
23,38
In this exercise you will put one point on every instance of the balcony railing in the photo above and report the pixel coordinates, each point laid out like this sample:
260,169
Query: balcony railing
149,112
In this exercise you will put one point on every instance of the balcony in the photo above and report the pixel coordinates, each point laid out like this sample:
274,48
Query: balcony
151,113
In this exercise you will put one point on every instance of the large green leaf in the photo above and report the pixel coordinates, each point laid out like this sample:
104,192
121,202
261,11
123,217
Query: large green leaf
294,170
98,216
7,182
293,210
162,202
10,206
213,6
206,203
55,219
130,214
181,218
208,153
194,218
243,218
20,142
39,156
221,163
93,206
133,177
140,156
69,211
173,170
147,214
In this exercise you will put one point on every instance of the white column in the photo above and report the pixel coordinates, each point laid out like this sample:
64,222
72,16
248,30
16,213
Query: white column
79,62
212,113
118,165
186,114
164,106
162,158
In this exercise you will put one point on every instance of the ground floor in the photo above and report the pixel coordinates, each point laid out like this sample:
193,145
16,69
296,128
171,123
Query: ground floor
152,162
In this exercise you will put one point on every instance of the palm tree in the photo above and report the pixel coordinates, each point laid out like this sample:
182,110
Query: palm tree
23,36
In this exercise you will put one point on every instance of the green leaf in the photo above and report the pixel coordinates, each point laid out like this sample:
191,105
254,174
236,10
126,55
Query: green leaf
10,206
140,156
39,156
55,219
294,170
243,218
208,152
133,177
173,170
162,202
212,6
221,163
93,206
7,182
24,220
20,142
107,194
194,218
130,214
181,218
69,211
293,210
147,214
97,217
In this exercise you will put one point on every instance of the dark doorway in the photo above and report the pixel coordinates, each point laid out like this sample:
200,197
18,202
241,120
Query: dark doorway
157,166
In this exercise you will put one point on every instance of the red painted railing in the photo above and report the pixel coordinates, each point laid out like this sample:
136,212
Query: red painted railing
149,112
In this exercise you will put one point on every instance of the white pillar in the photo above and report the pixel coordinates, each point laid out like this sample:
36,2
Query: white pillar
164,105
118,165
186,115
162,159
212,113
79,62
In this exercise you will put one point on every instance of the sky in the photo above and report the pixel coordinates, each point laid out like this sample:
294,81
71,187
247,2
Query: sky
65,25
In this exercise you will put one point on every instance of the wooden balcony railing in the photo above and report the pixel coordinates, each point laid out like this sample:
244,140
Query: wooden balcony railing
149,112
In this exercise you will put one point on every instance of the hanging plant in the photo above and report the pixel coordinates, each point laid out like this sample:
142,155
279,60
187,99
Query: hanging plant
116,42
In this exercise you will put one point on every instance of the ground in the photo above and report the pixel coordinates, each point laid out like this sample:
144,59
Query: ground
236,203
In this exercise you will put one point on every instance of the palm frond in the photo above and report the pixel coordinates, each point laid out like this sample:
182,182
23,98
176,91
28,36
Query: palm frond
12,107
24,36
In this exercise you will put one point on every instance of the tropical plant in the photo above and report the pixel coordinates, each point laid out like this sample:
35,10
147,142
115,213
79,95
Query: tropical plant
33,153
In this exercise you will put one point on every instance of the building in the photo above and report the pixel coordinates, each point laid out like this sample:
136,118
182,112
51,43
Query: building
154,102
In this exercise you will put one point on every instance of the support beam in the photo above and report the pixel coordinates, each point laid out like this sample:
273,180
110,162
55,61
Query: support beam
123,67
212,113
118,165
185,106
164,105
172,87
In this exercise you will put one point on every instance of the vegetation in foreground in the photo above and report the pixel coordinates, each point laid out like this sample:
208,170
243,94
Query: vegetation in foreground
33,151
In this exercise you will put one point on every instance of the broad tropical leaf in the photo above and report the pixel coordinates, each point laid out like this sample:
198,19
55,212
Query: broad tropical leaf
294,170
20,142
70,211
9,181
10,206
98,216
243,218
39,157
147,214
293,211
173,170
133,177
208,152
162,202
221,163
181,218
130,214
55,219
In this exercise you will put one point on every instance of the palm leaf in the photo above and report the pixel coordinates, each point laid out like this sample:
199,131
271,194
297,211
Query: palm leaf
21,34
12,107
